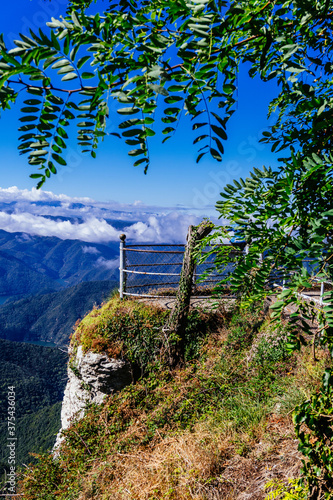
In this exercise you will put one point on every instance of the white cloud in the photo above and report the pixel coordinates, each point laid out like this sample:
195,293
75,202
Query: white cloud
92,250
170,228
91,230
47,203
23,238
107,264
85,219
13,193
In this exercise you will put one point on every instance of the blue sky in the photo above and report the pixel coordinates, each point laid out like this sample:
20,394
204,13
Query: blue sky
174,179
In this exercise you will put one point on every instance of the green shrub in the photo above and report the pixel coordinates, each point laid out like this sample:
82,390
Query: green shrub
269,347
314,428
241,329
280,491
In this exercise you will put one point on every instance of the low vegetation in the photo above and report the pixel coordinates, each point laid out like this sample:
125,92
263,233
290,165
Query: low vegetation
132,330
219,427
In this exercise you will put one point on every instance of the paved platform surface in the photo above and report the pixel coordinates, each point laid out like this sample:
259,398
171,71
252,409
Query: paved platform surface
204,302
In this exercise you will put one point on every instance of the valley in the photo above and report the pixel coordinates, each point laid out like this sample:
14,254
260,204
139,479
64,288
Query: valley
46,285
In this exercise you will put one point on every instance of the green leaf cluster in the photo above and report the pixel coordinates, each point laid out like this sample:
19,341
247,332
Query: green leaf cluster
315,415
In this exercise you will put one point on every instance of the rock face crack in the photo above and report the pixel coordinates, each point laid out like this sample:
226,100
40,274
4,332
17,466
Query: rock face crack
103,374
91,377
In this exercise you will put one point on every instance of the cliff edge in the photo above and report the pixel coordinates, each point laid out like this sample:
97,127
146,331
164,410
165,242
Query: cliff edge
91,377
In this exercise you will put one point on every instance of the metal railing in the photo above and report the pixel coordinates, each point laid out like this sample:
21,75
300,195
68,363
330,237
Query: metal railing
311,265
154,270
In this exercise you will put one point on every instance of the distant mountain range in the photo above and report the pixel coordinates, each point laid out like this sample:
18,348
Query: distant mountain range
47,284
50,317
36,264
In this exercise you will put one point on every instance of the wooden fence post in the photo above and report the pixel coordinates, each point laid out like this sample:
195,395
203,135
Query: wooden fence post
121,265
322,289
175,326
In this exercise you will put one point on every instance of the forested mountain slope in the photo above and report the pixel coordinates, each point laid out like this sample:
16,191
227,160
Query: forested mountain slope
36,264
37,375
50,317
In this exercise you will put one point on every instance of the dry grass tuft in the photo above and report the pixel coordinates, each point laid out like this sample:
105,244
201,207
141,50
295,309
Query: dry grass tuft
178,467
198,465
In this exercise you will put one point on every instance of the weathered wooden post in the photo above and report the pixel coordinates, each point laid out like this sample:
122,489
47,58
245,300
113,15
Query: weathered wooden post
121,265
322,289
194,279
175,326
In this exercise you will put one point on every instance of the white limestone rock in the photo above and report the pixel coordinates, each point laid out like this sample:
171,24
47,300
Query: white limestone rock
91,377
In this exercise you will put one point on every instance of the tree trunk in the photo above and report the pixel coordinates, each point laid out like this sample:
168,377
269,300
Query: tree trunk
176,324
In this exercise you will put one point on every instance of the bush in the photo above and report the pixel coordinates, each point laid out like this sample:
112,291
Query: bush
269,347
314,428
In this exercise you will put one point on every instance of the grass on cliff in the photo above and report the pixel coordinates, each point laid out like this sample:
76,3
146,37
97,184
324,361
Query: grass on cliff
218,428
133,330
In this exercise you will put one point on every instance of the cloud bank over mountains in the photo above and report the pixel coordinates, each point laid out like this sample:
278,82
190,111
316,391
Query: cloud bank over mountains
44,213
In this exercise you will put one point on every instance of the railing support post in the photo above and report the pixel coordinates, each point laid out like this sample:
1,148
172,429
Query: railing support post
121,265
194,282
176,322
321,293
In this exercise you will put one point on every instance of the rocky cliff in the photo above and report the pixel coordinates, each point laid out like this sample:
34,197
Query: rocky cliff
91,377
